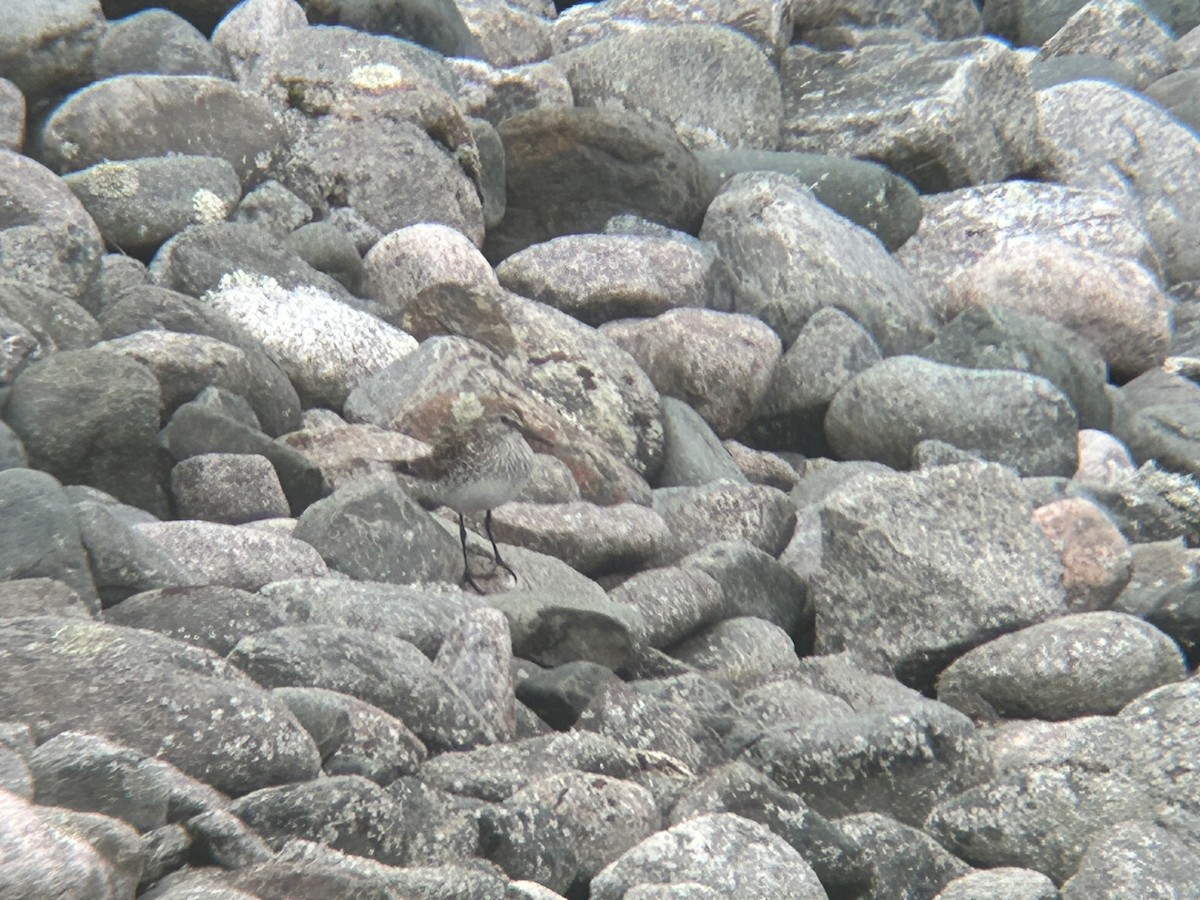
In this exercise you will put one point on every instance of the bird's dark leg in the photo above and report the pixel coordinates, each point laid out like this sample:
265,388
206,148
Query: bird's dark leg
487,523
462,536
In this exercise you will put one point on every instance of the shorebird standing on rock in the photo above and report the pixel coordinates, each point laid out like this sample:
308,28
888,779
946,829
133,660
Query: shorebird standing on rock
475,471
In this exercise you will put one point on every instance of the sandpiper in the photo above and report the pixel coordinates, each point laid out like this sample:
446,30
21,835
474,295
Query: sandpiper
476,472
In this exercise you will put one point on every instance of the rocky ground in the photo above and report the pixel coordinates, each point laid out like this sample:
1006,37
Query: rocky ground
860,343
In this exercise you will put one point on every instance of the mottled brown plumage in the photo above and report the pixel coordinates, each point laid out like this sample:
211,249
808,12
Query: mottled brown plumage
476,471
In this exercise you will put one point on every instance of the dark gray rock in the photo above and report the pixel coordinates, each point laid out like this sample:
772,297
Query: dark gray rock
662,725
90,774
227,487
713,85
674,602
916,568
560,694
40,536
761,516
899,761
115,842
790,256
237,556
1176,612
56,321
591,539
420,615
379,669
1048,72
1086,664
1135,859
134,116
144,307
866,193
50,241
746,860
12,452
47,49
344,812
209,616
570,170
1179,92
739,651
355,738
372,529
560,830
139,203
600,277
220,838
273,208
899,854
442,827
186,364
756,584
88,417
983,338
196,260
197,429
692,453
829,351
346,163
974,115
162,697
1040,817
1013,418
436,24
122,560
551,630
12,116
156,41
1155,415
331,250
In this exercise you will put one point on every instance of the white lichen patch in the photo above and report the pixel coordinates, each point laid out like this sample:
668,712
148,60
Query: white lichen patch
207,207
376,77
325,346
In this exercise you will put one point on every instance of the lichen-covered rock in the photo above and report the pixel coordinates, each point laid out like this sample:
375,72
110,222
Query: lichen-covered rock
790,255
884,412
956,532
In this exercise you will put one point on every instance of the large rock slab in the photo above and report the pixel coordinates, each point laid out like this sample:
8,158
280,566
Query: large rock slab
1088,664
48,239
1014,418
569,171
600,277
713,85
1115,304
91,417
943,115
866,193
790,255
1164,185
958,228
162,697
917,567
133,116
